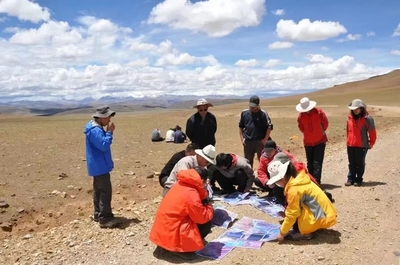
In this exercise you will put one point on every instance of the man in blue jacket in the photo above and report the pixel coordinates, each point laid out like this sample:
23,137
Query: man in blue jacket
100,164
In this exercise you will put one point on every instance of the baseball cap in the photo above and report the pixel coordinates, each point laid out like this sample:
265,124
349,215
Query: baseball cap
254,101
270,145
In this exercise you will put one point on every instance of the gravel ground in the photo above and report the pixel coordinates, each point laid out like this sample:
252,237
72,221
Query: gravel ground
367,229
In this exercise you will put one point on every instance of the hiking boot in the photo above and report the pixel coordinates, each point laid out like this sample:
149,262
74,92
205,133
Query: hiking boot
94,218
109,224
358,184
348,183
185,255
296,236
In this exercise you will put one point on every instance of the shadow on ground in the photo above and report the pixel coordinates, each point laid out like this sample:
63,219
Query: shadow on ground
329,186
124,222
373,183
325,236
165,255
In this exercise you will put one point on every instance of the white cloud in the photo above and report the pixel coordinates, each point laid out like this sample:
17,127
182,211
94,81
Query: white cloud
319,58
350,37
370,34
247,63
279,12
271,63
280,45
25,10
216,18
396,31
306,30
395,52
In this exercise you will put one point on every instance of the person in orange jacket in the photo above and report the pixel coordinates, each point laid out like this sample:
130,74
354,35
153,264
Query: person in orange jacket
361,136
183,218
313,123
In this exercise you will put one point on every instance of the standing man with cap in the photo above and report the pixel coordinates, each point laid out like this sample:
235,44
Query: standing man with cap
202,126
255,127
100,164
313,123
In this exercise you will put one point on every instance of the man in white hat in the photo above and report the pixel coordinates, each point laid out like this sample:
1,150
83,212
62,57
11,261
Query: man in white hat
313,123
202,158
100,164
202,126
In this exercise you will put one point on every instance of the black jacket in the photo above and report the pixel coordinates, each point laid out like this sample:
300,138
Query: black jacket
170,164
200,133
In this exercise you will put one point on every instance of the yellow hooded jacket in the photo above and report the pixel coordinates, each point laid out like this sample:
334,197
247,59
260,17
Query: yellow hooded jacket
307,204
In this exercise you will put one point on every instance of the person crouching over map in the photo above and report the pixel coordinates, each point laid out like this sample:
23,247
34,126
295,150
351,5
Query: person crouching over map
308,207
184,216
233,170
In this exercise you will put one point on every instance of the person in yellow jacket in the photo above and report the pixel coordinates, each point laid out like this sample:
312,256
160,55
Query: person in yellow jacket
308,208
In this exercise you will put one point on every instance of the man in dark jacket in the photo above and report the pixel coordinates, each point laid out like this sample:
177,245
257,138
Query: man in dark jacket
166,171
202,126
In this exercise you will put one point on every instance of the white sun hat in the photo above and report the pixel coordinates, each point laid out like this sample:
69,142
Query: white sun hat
305,105
356,104
208,153
203,102
277,171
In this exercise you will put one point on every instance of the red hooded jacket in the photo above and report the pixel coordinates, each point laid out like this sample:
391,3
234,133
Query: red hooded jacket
175,225
361,132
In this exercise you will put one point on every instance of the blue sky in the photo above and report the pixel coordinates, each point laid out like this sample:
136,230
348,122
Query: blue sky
75,49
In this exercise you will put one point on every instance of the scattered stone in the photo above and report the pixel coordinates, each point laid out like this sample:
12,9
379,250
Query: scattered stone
70,187
3,183
6,227
55,192
27,236
156,173
142,186
377,199
72,196
356,248
137,161
62,176
131,234
320,258
13,195
63,194
150,176
71,244
145,244
4,204
21,210
129,173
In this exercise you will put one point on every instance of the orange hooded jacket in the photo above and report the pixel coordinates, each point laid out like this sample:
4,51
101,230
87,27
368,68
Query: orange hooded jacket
175,225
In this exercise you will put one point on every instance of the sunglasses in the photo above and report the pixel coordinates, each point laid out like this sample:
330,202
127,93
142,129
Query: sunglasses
202,110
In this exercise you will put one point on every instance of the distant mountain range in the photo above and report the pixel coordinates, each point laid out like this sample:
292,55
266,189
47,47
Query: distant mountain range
11,105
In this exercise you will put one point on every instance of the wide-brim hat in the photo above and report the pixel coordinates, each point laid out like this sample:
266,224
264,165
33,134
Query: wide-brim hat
103,112
208,153
356,104
203,102
277,171
305,105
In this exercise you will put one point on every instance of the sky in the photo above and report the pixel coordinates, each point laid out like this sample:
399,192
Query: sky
93,48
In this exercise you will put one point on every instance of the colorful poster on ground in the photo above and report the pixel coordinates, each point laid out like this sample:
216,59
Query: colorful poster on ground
235,198
215,250
269,207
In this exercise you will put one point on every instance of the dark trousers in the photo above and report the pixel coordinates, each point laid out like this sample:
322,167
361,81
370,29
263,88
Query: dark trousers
204,229
163,180
227,184
102,194
315,158
252,147
276,191
356,156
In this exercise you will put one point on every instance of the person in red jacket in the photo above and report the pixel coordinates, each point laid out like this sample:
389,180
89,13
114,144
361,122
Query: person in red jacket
361,136
270,150
313,123
183,218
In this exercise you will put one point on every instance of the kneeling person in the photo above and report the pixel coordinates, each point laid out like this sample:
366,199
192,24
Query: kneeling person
233,170
307,205
183,218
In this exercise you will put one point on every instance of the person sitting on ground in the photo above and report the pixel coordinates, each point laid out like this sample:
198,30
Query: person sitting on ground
179,136
184,216
156,136
189,151
270,150
202,158
307,205
170,135
233,170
